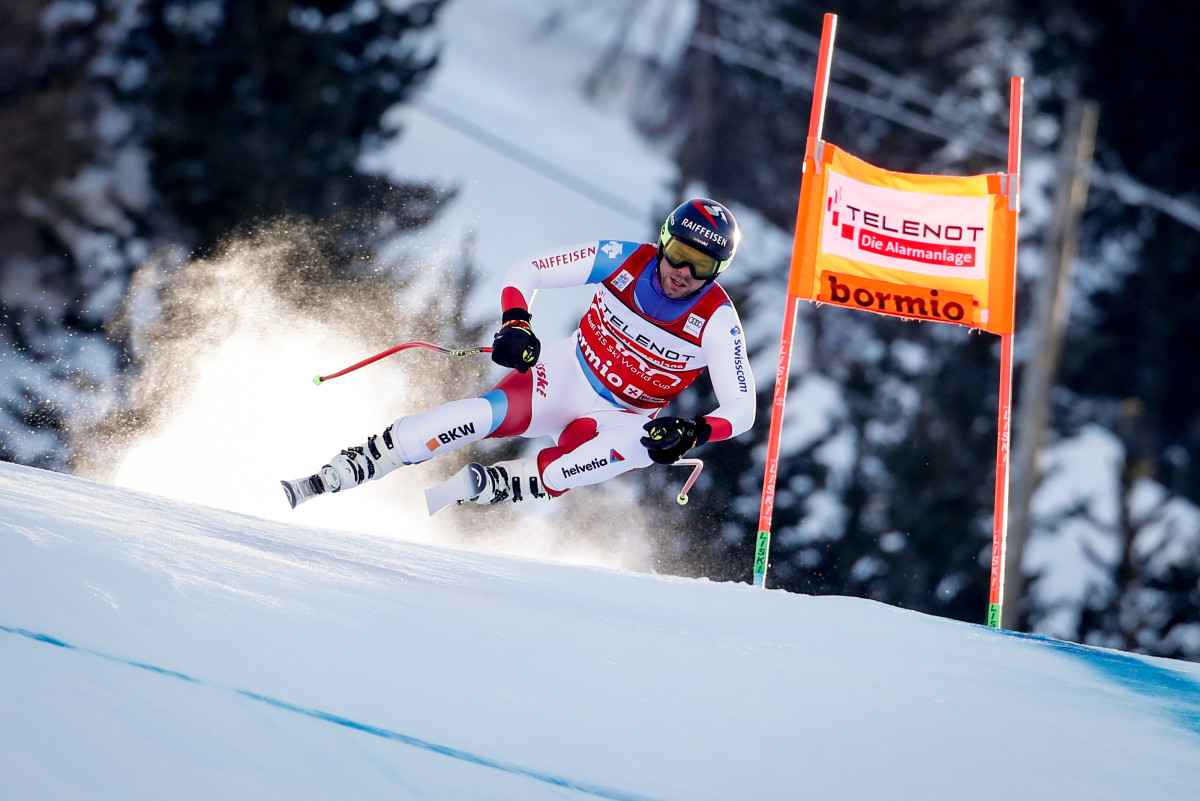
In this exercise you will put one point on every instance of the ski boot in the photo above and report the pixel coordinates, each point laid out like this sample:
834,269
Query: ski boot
517,479
351,467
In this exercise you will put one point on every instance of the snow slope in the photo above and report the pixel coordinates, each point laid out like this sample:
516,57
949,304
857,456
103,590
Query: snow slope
151,648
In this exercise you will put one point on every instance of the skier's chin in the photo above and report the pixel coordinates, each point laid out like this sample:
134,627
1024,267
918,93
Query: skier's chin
673,288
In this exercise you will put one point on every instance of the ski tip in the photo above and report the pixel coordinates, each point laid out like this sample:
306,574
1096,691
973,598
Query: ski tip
290,493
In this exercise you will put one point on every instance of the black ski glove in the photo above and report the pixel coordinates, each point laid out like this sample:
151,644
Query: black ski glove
669,438
515,344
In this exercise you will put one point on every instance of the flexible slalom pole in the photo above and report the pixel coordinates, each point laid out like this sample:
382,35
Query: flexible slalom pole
816,123
321,379
1004,422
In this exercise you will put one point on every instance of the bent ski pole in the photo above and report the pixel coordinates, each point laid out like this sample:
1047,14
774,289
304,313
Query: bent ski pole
320,379
697,465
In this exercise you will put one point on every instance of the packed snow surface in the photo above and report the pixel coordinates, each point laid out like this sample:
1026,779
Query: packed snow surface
152,648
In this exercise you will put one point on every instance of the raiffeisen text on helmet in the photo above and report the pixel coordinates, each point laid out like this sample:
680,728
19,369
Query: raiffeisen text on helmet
706,232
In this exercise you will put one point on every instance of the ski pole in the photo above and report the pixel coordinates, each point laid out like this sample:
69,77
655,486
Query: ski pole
697,465
320,379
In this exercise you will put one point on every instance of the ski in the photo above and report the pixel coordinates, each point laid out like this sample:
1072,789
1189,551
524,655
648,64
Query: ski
464,485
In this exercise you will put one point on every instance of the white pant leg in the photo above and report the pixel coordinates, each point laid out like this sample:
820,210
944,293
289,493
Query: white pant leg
614,449
448,427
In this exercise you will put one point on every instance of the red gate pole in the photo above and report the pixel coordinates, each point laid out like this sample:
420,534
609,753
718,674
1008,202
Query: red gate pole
1003,426
816,123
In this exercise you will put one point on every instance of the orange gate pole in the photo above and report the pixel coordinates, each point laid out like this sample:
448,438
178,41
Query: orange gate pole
816,123
1003,426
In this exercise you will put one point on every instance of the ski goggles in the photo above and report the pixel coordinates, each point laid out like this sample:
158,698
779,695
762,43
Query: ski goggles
702,266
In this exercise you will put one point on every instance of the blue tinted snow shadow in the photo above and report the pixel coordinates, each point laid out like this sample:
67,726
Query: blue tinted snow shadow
1175,694
375,731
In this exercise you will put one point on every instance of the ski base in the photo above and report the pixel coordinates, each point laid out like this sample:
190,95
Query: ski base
465,485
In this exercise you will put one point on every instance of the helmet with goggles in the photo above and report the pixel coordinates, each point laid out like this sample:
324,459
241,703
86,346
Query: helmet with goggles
700,234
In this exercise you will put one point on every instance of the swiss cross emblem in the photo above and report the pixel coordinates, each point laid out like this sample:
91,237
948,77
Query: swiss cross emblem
613,249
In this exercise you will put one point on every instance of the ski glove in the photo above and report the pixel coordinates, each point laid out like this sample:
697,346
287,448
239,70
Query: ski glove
669,438
515,344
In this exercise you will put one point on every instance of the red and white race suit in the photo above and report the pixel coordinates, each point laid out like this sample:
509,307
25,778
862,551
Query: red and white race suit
634,351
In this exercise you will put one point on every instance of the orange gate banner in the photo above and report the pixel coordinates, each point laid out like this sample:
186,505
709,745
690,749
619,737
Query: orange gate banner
929,247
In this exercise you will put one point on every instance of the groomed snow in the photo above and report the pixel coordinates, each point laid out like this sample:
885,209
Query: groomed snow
151,648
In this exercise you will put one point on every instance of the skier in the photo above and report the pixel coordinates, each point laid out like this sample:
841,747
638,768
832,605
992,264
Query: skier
656,321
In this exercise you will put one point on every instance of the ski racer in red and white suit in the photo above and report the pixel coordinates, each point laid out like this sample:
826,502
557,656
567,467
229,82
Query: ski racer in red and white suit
650,330
634,351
